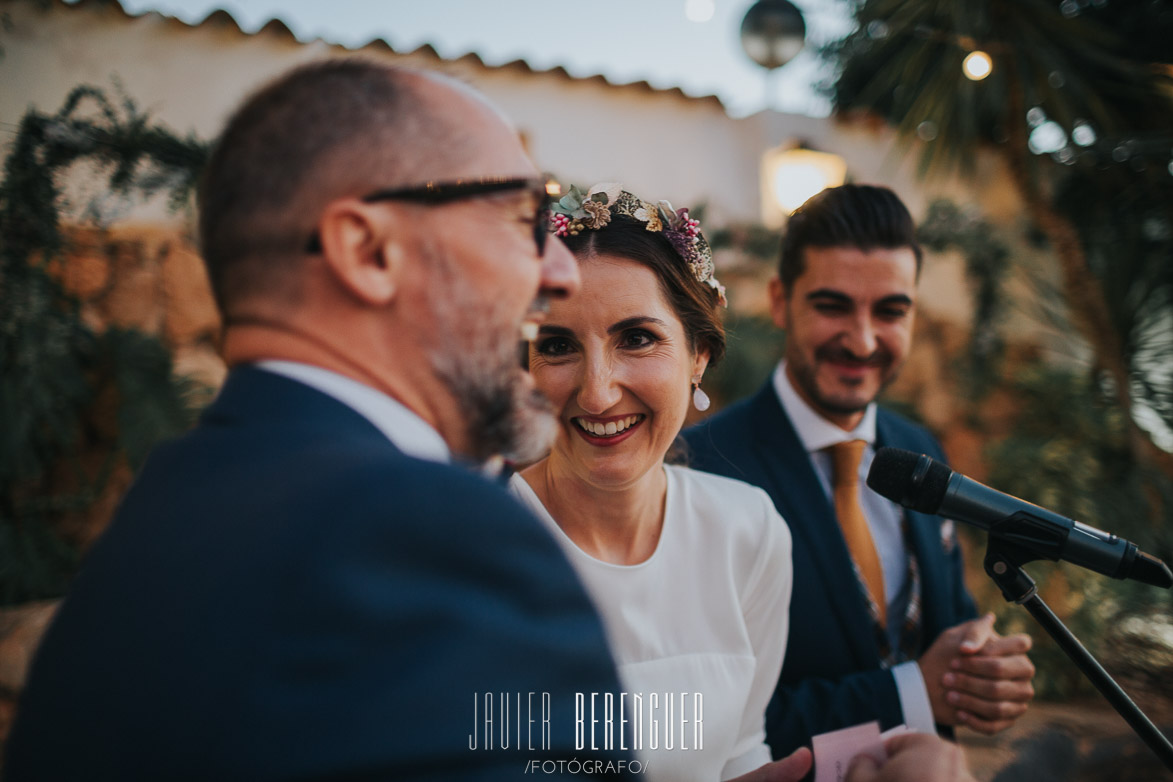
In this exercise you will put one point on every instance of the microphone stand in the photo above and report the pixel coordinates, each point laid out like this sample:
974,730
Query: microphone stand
1003,564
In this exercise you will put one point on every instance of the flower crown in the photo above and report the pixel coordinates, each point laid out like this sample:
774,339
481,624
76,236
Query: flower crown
577,210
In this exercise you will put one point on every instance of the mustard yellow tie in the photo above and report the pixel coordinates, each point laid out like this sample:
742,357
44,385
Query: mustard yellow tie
845,458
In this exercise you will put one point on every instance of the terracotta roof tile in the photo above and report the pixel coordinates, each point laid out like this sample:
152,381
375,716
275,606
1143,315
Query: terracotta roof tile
222,17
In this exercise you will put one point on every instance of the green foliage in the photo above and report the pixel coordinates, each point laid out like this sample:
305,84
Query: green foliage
35,562
1095,70
987,259
754,240
1069,452
151,403
47,353
55,368
754,345
903,62
1125,220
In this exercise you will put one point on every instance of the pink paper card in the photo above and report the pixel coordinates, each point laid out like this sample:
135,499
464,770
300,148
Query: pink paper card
834,751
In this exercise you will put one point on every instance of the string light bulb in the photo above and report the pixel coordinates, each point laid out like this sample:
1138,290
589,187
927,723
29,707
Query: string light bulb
977,65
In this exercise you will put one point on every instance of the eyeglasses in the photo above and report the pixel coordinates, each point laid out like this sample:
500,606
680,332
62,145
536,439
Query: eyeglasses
434,193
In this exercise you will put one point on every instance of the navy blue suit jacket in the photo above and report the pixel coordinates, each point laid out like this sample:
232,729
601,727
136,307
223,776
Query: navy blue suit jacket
831,675
284,594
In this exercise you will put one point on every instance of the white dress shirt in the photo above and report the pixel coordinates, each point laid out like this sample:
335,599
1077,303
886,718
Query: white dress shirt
406,430
885,520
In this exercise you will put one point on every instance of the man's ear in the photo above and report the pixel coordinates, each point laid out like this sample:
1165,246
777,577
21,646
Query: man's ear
778,301
359,248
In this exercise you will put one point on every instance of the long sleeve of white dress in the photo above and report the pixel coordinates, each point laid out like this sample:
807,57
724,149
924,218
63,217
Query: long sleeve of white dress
766,608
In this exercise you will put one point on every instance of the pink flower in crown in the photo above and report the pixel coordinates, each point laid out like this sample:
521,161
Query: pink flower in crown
559,224
686,224
577,211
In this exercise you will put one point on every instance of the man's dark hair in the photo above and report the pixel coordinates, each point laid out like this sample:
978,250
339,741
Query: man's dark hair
695,303
324,131
867,217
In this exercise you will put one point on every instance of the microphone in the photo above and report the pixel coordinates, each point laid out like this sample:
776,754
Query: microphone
923,484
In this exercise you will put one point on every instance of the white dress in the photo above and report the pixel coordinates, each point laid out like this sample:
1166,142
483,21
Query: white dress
707,614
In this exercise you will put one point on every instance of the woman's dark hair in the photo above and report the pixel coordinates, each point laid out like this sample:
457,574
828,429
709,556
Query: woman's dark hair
695,303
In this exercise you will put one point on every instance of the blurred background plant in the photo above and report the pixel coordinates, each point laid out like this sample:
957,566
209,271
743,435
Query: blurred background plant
75,403
1079,106
1069,451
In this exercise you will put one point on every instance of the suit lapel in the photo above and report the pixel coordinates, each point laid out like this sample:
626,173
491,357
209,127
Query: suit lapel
799,497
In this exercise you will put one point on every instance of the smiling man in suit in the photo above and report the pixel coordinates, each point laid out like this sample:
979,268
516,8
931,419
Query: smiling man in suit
308,585
884,628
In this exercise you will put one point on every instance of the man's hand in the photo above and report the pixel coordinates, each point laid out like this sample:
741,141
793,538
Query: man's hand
913,757
791,768
978,678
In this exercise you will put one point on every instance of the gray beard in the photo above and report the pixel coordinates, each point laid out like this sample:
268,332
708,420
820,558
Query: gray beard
502,416
480,367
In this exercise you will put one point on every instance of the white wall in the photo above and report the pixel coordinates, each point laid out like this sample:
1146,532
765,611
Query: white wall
659,143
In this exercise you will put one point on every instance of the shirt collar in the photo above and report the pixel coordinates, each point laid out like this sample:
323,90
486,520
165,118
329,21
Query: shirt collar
410,433
814,431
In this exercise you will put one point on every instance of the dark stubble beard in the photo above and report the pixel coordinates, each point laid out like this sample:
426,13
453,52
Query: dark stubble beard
804,378
475,356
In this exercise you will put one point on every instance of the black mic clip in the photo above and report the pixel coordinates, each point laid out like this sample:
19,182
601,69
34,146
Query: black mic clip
1003,564
1024,537
1013,542
1037,538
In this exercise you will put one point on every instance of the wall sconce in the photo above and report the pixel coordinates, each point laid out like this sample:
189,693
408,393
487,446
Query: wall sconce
792,174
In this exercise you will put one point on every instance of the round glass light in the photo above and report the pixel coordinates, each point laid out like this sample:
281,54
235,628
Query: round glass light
772,32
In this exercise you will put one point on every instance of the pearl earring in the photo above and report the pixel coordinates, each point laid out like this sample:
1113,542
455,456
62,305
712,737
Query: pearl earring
700,400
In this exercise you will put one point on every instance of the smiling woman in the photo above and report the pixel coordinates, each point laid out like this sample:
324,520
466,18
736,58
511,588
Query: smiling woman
691,572
617,363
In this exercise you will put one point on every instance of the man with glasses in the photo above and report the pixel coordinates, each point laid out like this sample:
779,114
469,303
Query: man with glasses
306,585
